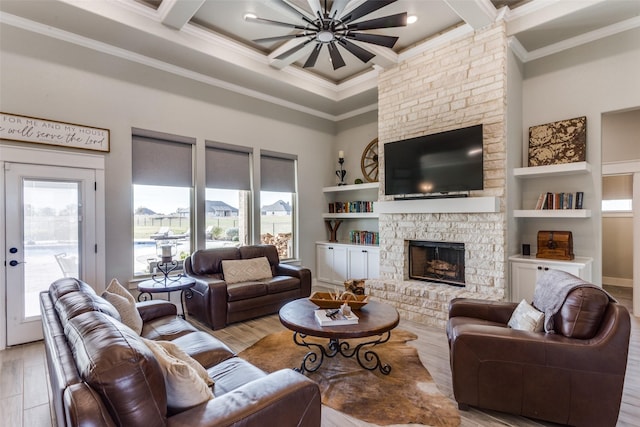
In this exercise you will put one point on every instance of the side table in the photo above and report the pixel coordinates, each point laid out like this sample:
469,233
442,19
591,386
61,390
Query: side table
183,284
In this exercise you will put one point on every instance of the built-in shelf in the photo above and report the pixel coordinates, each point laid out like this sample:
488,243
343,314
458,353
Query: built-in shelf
562,169
352,187
552,213
447,205
353,215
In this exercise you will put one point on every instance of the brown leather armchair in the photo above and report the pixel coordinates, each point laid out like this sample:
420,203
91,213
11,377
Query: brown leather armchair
554,377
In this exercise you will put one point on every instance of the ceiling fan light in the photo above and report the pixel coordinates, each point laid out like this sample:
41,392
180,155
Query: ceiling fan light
325,36
412,19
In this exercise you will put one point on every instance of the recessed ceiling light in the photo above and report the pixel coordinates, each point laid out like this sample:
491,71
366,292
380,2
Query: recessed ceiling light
411,19
249,16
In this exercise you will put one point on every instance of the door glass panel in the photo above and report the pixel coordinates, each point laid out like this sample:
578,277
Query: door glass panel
51,236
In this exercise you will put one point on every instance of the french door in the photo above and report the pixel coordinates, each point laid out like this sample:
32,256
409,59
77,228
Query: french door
50,233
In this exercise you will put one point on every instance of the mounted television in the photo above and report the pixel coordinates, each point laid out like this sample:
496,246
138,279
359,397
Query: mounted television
435,165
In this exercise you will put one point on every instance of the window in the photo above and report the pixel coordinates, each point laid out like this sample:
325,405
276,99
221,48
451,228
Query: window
162,198
228,180
617,193
277,202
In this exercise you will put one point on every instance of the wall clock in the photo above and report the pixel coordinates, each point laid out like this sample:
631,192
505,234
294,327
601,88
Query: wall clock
369,161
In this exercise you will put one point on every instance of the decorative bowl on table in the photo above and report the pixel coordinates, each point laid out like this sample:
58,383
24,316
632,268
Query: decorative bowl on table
331,300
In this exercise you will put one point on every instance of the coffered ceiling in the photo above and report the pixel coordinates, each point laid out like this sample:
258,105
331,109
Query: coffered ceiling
210,41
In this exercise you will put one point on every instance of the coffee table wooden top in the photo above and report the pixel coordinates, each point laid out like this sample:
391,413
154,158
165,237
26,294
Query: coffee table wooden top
375,318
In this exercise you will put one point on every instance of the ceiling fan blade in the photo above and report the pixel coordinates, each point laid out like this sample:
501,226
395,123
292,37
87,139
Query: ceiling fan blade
293,49
336,59
278,38
337,8
399,20
278,23
316,8
365,9
362,54
379,39
313,57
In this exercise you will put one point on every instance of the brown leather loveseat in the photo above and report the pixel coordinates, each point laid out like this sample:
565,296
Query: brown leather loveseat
103,374
217,303
574,376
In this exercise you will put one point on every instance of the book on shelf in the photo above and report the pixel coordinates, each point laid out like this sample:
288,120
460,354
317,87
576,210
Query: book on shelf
557,201
351,207
360,237
338,319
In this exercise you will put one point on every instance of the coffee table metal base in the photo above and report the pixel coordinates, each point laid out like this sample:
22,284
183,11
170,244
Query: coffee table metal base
366,357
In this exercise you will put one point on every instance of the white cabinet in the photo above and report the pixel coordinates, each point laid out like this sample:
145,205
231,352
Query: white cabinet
526,269
331,263
363,262
336,262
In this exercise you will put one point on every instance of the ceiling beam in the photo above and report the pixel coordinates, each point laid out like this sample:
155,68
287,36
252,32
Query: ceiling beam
177,13
539,12
476,13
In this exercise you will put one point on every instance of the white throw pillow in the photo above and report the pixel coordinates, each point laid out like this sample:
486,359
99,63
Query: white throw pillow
116,288
129,314
246,270
185,388
179,353
526,318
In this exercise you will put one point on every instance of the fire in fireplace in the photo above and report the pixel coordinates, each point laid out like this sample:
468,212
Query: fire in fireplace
436,262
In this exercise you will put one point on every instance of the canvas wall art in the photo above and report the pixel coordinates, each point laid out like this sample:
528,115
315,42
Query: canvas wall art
558,142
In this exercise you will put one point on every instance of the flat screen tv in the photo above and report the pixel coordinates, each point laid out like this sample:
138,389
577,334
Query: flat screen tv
435,165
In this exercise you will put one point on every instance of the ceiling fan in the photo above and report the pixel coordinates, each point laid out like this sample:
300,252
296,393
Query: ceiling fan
330,27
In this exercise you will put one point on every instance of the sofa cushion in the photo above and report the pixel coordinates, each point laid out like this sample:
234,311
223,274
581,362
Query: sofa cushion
115,362
67,285
73,304
208,261
128,312
245,270
166,328
233,373
526,318
184,383
581,314
204,348
245,290
279,284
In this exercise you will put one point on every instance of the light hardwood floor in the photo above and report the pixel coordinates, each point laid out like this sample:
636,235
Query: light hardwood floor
24,389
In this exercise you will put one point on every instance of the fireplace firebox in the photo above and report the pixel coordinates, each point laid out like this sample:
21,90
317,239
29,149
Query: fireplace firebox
437,262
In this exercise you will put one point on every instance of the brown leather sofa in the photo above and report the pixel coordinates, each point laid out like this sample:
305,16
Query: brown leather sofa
102,373
217,304
554,377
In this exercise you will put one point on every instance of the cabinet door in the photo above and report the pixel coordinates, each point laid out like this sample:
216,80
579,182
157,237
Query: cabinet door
357,263
373,263
523,281
340,267
324,263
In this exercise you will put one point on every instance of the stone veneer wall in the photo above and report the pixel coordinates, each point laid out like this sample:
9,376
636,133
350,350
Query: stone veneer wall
458,84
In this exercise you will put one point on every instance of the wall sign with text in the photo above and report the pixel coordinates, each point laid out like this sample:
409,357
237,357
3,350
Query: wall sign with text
50,132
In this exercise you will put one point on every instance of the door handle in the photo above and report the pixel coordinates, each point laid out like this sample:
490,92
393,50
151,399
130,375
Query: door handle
13,262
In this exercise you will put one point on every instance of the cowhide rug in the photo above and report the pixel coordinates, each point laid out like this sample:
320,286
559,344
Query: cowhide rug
408,395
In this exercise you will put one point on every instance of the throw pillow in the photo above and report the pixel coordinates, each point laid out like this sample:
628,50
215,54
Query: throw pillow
129,314
526,318
116,288
185,388
179,354
245,270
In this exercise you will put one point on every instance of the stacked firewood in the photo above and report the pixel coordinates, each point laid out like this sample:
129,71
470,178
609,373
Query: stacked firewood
280,241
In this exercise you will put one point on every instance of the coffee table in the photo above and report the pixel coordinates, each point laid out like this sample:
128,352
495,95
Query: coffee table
375,320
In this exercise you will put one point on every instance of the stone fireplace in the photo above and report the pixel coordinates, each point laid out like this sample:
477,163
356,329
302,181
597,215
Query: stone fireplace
457,83
441,262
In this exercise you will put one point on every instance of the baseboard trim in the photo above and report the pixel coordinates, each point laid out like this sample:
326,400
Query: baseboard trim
617,281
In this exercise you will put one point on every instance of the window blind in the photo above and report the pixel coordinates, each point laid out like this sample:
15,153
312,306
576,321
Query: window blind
161,162
277,173
228,169
617,187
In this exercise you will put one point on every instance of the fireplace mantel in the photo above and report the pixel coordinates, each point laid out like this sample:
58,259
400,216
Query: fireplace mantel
489,204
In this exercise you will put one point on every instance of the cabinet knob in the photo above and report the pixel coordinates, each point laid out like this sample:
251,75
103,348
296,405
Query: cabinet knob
330,247
539,268
364,251
546,268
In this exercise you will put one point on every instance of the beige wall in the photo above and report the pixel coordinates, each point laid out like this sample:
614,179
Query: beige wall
621,136
55,80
